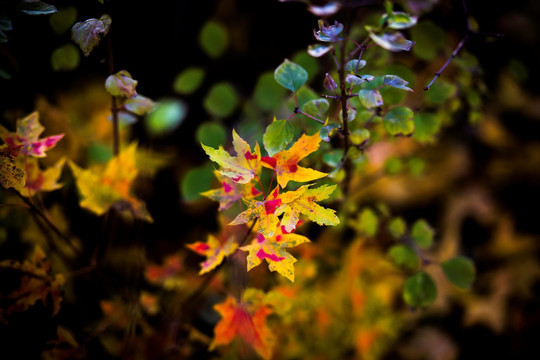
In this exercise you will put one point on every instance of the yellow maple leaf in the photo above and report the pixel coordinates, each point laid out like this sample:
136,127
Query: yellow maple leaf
285,162
231,192
274,250
38,180
236,320
101,188
214,250
263,210
240,168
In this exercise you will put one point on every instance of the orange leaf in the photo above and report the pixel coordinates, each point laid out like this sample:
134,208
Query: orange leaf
285,162
251,327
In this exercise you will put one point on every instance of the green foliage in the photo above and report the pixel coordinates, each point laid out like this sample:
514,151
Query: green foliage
426,127
196,181
460,271
399,121
211,133
221,100
397,227
404,256
422,234
290,75
35,7
277,136
368,223
370,98
62,20
214,38
419,290
65,57
188,80
430,40
166,117
267,93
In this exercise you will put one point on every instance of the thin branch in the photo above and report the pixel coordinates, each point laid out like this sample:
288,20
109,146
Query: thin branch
454,54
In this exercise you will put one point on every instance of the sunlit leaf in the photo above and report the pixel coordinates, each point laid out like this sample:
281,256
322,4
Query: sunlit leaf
166,117
360,136
273,249
419,290
214,38
422,234
189,80
230,192
404,256
392,41
88,34
36,7
277,136
370,98
250,326
290,75
221,100
330,8
264,211
139,104
121,84
303,202
240,168
396,82
460,271
285,162
399,121
318,50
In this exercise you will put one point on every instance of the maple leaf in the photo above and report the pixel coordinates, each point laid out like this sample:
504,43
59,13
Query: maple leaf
231,192
285,162
10,174
273,250
100,188
35,283
251,327
40,180
303,201
28,131
168,274
240,168
264,210
214,250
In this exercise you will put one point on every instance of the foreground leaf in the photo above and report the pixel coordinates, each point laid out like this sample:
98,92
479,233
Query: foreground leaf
285,162
214,250
399,121
88,34
231,192
277,136
394,41
264,210
236,321
290,75
273,249
240,168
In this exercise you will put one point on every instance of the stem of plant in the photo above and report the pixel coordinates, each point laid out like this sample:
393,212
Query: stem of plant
114,106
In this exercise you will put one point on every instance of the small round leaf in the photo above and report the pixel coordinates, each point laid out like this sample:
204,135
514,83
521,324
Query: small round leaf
460,271
221,100
290,75
404,256
422,234
419,290
189,80
277,136
399,121
214,38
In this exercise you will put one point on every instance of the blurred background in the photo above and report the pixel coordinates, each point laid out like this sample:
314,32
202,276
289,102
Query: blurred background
209,66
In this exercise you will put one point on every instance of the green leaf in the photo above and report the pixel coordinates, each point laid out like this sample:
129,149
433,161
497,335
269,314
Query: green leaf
307,62
63,20
399,20
326,131
99,153
139,104
65,58
214,38
189,80
422,234
440,91
316,108
392,41
426,126
393,166
396,82
404,256
212,134
399,121
460,271
166,116
196,181
333,158
221,100
277,136
36,7
355,65
419,290
417,166
268,94
370,98
397,227
360,136
88,34
430,40
368,223
290,75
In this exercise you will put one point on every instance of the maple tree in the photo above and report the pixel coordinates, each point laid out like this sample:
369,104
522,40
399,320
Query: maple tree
355,170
